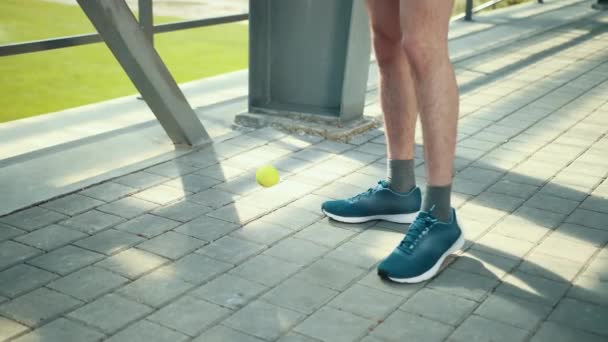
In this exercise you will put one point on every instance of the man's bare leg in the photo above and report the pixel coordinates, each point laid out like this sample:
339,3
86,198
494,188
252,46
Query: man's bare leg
424,27
397,95
435,233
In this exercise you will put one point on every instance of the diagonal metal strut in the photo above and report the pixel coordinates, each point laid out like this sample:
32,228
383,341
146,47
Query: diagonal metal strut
137,56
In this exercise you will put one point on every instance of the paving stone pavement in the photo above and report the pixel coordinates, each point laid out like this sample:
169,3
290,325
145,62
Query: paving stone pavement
193,249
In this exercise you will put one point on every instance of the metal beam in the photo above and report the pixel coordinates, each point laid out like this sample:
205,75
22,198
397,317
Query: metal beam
146,18
135,53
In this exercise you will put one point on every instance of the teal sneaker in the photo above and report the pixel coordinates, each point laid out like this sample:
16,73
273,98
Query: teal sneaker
423,249
377,203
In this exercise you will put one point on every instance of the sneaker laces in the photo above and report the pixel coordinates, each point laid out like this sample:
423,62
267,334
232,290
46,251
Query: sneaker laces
418,228
381,185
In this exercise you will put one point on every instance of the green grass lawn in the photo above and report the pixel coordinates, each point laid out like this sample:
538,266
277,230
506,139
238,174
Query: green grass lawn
43,82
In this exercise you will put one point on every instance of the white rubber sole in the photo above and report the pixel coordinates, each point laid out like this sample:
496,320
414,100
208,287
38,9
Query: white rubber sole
433,271
398,218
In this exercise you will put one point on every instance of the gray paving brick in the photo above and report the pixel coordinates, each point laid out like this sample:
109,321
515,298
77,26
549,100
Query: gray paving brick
366,302
485,264
550,267
109,241
102,313
145,331
379,237
566,248
360,255
503,245
555,332
213,198
8,232
299,295
147,225
598,268
324,234
330,273
262,232
50,237
193,183
9,328
463,284
128,207
171,169
182,211
451,309
196,269
207,228
498,201
401,326
161,194
540,217
12,253
263,320
291,218
329,324
468,187
66,259
577,179
231,250
532,288
220,172
298,251
155,289
199,159
38,306
171,245
91,221
220,333
581,234
229,291
595,203
520,228
289,164
240,185
62,330
32,218
88,283
581,315
570,192
310,202
590,289
478,174
141,180
73,204
312,155
477,328
22,278
184,315
374,281
132,263
239,213
108,191
589,218
266,270
552,203
480,213
514,311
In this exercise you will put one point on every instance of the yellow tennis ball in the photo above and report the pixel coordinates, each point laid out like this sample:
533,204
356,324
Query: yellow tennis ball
267,176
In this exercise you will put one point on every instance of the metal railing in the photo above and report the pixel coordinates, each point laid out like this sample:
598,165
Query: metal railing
470,10
146,21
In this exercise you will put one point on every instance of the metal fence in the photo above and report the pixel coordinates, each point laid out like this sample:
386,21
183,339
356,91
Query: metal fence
146,21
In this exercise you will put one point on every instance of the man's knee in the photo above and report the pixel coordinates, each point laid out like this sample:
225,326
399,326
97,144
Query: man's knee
423,52
387,46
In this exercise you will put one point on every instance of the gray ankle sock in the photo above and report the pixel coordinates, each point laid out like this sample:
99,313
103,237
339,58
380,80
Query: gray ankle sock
439,198
401,175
